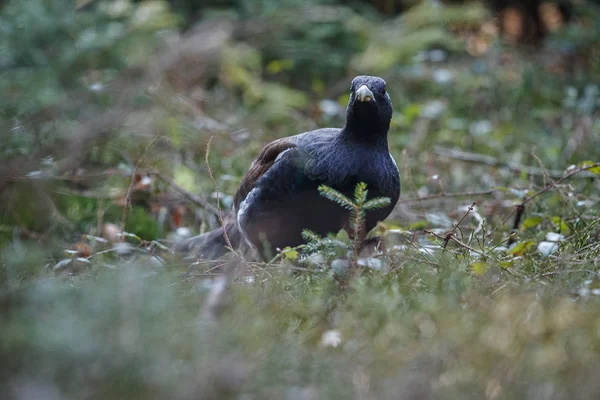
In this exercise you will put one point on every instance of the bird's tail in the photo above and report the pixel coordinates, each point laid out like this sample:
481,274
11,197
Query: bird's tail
211,245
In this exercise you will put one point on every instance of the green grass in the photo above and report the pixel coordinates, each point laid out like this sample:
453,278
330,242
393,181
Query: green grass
429,332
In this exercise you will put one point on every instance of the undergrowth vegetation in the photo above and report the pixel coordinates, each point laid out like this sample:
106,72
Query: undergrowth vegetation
486,283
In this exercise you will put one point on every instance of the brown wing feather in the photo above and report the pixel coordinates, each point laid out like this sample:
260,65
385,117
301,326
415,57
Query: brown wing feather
259,166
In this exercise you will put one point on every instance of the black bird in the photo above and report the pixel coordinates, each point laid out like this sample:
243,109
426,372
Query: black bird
278,196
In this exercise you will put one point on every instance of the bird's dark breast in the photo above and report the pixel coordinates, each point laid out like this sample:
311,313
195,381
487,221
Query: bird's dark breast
287,217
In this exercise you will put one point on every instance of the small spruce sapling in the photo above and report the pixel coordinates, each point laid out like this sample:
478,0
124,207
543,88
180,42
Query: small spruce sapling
329,247
358,208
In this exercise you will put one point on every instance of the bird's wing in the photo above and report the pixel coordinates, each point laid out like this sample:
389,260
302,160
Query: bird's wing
272,211
260,165
300,151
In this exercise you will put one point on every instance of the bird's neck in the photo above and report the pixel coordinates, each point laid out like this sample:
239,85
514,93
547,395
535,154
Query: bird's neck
364,125
367,133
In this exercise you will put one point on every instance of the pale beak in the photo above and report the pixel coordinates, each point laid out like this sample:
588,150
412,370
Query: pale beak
364,94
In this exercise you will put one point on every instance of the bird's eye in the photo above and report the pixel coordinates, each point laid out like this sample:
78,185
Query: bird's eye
383,91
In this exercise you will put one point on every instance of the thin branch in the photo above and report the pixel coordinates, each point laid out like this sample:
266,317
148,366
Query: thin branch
493,162
127,205
450,235
212,178
520,208
111,250
414,244
458,242
466,246
199,201
565,195
552,185
449,195
194,198
572,271
497,290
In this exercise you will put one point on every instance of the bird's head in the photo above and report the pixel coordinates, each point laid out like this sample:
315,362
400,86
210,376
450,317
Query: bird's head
369,109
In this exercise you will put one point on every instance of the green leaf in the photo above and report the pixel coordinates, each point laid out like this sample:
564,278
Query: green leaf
173,130
480,267
520,248
587,164
343,236
417,225
290,254
277,66
561,225
185,178
532,221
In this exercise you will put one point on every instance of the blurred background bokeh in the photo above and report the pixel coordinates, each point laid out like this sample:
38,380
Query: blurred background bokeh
94,90
106,112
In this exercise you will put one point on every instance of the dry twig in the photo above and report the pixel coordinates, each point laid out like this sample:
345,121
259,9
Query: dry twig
132,183
450,234
520,208
212,178
493,162
455,240
449,195
199,201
